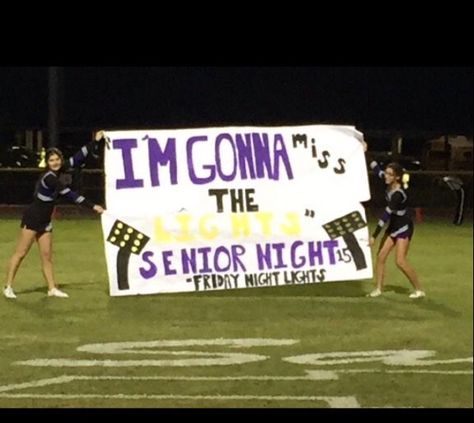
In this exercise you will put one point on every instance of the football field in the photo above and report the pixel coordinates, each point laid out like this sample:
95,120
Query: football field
314,345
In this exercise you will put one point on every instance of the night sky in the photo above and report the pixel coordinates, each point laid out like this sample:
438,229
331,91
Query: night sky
372,98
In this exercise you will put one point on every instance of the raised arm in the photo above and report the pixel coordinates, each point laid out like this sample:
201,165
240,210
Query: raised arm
373,164
377,169
91,148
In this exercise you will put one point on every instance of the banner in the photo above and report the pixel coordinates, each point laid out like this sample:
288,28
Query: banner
234,207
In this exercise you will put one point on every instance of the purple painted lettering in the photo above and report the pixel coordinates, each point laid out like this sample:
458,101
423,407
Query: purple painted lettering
126,145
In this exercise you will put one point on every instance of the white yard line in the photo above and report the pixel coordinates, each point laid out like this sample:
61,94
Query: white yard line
435,372
64,379
311,375
230,358
38,383
334,374
196,378
333,402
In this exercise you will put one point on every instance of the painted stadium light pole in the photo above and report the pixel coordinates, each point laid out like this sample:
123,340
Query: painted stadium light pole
345,226
130,241
455,184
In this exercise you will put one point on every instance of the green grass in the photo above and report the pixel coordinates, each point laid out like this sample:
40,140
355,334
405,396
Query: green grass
323,318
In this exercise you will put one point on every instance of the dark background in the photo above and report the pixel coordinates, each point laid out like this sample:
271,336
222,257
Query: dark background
372,98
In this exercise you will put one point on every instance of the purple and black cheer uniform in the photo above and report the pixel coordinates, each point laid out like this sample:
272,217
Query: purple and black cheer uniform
50,185
396,213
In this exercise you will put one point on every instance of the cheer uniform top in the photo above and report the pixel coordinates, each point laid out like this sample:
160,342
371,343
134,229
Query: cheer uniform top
49,187
396,213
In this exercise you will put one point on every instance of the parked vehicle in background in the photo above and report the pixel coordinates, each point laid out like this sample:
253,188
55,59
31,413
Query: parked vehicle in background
16,156
456,154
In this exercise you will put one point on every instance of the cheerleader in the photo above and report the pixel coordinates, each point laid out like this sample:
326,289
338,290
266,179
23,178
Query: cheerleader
399,231
36,221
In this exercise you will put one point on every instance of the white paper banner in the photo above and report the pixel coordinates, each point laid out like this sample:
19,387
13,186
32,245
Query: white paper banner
234,207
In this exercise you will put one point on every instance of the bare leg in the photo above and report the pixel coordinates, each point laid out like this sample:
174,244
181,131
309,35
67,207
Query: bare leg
382,242
27,236
382,255
403,265
45,244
